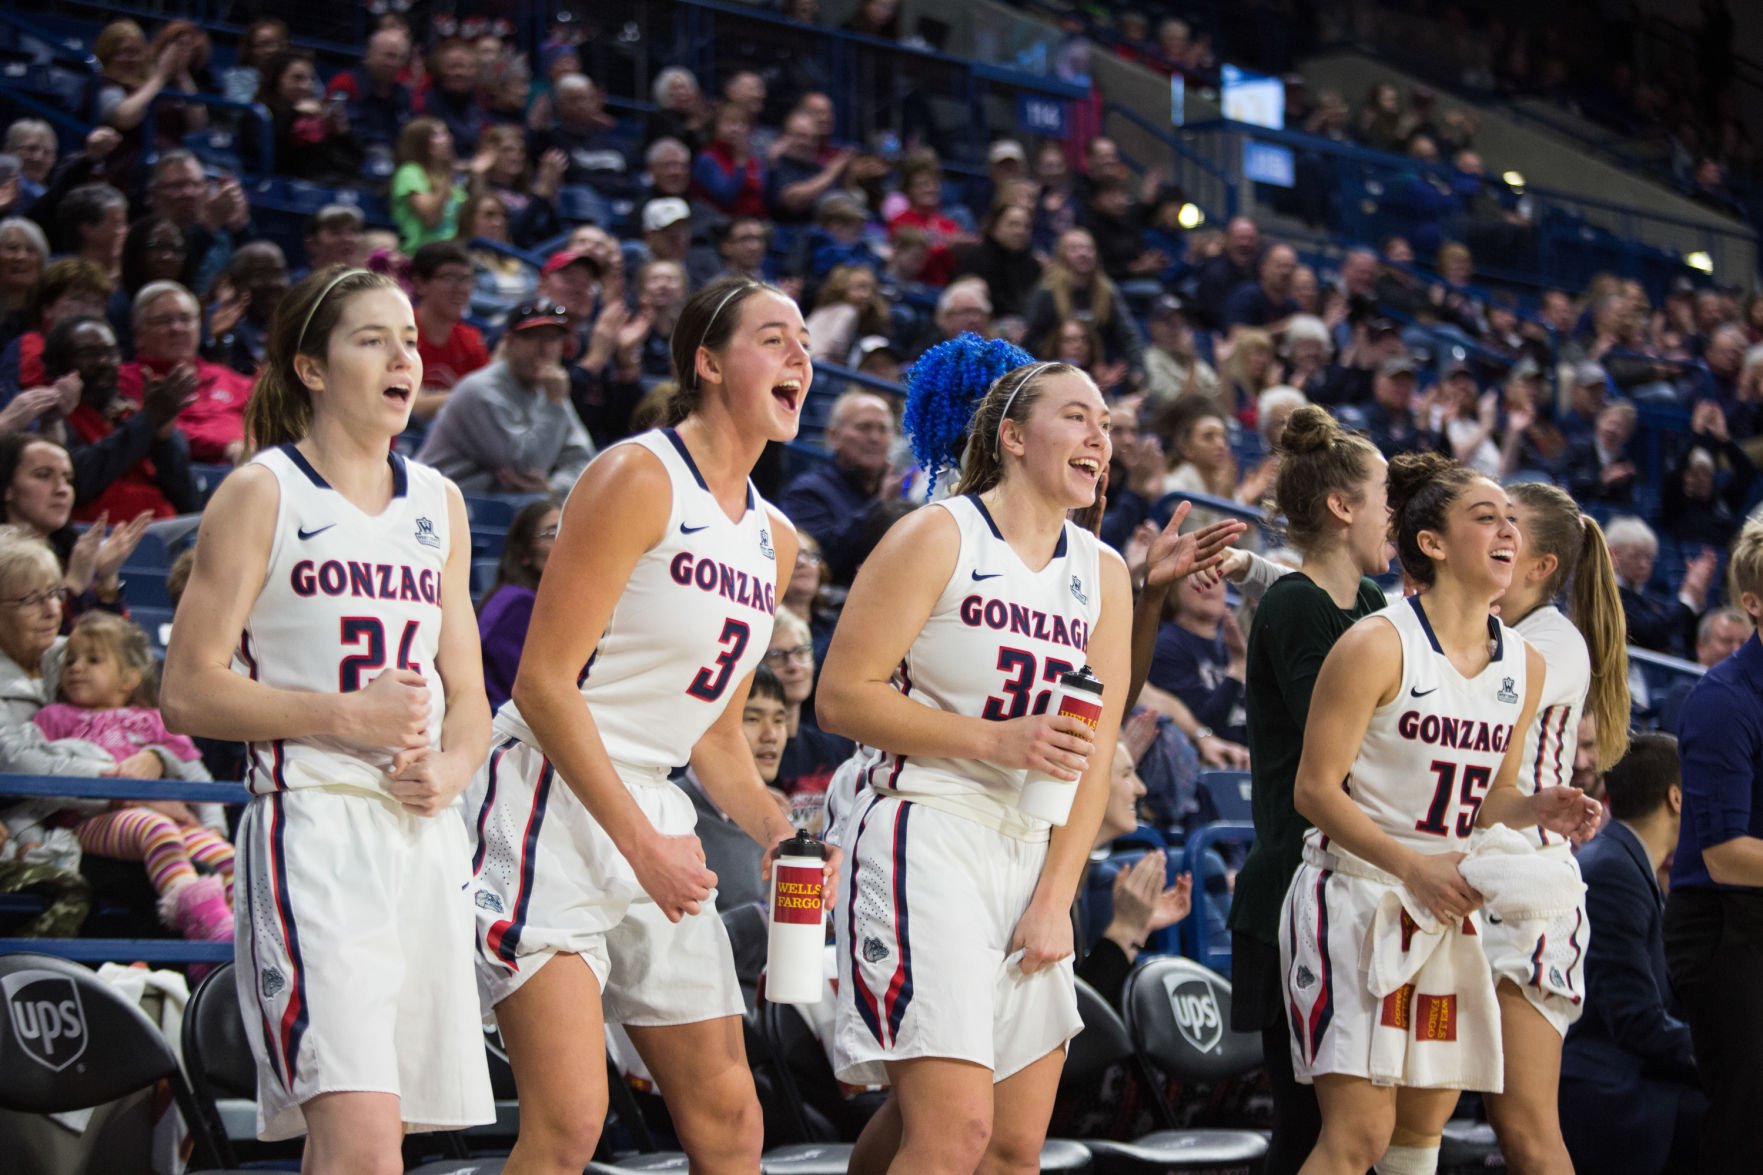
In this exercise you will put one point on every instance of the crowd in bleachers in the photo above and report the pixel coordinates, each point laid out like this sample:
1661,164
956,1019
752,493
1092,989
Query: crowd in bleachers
549,235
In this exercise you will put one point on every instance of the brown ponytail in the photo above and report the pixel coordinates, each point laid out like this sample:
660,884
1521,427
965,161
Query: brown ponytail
1556,527
280,409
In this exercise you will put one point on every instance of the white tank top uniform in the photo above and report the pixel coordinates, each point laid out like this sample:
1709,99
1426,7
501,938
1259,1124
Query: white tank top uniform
1375,988
939,863
693,621
352,929
1547,962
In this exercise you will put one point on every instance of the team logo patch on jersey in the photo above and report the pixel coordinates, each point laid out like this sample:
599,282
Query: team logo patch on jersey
273,981
488,901
425,533
765,544
874,950
1077,589
1506,693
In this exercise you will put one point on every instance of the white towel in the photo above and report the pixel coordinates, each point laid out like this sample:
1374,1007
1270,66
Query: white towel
1517,882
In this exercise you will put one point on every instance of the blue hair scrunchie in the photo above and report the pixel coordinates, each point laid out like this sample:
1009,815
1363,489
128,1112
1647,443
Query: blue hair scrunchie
942,391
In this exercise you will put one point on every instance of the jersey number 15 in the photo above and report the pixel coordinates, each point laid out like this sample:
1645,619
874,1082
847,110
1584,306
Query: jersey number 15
1474,790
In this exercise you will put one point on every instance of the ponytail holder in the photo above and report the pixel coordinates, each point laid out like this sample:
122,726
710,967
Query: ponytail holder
300,341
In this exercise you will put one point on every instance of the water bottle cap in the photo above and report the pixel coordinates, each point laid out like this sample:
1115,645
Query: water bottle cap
1082,679
802,845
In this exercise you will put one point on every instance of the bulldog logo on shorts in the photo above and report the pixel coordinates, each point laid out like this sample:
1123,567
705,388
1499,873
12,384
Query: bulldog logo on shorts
48,1020
1196,1011
874,950
273,981
487,901
1305,977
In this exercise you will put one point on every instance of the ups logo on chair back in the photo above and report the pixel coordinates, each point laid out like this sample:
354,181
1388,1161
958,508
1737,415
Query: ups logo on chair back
47,1017
1196,1011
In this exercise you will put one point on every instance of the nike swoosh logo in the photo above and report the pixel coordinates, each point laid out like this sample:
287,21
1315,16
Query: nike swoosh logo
310,534
1417,693
994,575
684,529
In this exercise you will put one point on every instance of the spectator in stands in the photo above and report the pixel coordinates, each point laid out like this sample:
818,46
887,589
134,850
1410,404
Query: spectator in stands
1172,368
1587,392
1712,915
1600,467
1220,276
1536,450
1201,656
129,458
131,75
510,428
91,223
1390,421
1664,624
1197,441
1266,302
529,194
963,307
167,327
262,39
245,299
921,180
215,218
661,289
33,141
450,95
507,608
742,245
848,308
1003,259
1471,421
1632,1051
425,197
1250,369
833,500
441,280
1306,291
727,175
1358,285
501,278
1118,226
1307,349
1725,357
583,131
798,176
1693,508
333,237
1719,634
1073,286
1077,343
1056,204
811,754
680,110
667,236
668,163
1136,471
24,254
30,624
313,139
69,288
376,99
746,91
37,484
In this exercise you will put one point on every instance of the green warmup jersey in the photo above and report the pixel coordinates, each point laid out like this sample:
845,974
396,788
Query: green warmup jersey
1295,627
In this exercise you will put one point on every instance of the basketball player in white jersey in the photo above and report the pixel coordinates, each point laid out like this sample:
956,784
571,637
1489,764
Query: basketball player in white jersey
593,900
1541,975
328,623
954,933
1413,740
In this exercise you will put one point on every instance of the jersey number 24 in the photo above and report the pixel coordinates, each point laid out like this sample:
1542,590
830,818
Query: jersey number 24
369,634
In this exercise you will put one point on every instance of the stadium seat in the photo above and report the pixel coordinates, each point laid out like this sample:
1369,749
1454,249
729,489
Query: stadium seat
1105,1043
748,936
217,1056
1229,792
70,1041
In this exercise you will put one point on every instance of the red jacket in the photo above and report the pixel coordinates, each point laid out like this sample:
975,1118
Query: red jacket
215,418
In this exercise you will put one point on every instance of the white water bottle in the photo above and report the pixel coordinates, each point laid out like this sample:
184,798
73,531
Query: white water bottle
1077,695
797,942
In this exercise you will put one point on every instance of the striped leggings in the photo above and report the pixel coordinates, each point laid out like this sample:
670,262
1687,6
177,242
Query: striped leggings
170,850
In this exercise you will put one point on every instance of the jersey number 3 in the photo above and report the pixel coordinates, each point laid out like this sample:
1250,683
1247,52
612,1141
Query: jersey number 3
711,680
369,634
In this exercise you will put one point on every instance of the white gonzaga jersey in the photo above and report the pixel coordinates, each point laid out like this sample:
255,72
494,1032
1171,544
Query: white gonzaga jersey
1551,741
347,596
994,646
694,619
1430,755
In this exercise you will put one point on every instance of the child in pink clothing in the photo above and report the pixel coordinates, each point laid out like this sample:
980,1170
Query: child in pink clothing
109,702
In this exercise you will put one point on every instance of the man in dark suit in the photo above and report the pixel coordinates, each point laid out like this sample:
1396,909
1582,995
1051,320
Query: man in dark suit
1629,1100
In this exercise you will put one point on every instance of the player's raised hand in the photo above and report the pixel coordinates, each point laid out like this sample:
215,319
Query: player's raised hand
390,714
672,871
1174,555
1055,743
1434,879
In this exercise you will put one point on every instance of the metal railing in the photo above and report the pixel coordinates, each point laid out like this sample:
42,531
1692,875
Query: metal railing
1207,185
